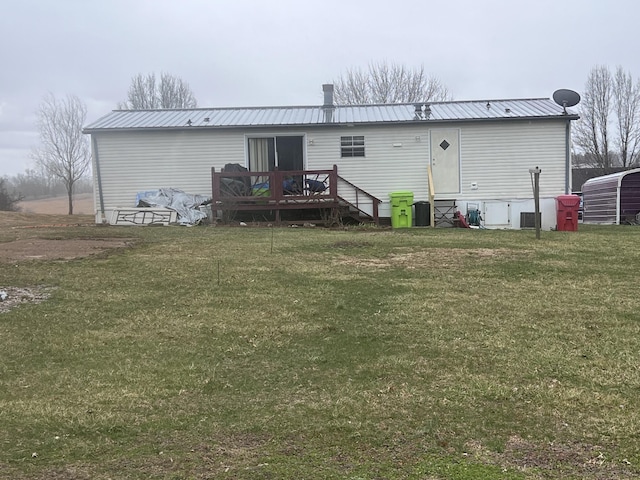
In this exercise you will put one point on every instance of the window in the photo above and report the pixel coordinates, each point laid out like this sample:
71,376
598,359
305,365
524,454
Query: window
352,146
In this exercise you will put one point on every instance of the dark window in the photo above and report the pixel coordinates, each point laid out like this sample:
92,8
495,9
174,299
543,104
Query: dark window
352,146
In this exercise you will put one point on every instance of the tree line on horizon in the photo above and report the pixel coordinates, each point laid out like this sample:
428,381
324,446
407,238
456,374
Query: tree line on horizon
607,134
33,185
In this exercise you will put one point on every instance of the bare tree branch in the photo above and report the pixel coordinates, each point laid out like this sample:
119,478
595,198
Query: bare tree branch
145,93
64,150
627,112
388,83
608,132
592,130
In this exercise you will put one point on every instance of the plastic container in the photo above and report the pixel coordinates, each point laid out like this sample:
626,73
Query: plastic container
401,209
567,209
261,190
422,214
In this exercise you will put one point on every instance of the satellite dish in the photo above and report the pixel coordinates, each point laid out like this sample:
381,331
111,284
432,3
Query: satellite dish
566,98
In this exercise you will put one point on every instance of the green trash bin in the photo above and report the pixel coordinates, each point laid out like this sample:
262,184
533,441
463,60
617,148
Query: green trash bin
401,205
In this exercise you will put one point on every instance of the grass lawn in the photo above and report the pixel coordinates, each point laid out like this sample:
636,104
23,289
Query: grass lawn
303,353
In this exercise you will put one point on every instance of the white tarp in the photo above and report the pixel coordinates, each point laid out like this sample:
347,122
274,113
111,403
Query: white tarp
185,204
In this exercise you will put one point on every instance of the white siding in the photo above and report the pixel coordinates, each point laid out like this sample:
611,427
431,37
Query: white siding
396,158
494,156
498,158
135,161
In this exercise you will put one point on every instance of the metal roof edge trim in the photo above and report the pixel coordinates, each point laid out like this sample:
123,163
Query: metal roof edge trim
332,124
611,176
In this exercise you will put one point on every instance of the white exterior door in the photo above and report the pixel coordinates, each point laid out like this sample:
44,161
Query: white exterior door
445,160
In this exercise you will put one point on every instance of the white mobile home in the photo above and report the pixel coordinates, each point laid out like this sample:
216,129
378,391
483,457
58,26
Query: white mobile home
480,152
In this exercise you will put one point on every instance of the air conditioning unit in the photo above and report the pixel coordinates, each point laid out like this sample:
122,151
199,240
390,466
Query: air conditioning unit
528,219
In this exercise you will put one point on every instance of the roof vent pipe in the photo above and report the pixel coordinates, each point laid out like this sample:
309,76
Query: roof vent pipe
327,88
328,107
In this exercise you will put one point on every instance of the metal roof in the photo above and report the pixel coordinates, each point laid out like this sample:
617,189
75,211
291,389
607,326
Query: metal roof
612,178
537,108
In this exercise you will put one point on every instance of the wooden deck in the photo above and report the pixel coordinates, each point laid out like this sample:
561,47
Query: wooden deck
278,191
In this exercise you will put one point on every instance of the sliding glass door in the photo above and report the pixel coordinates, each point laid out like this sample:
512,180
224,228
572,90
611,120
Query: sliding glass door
262,154
286,152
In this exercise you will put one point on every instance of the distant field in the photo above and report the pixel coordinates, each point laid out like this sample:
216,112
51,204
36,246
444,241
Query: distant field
82,205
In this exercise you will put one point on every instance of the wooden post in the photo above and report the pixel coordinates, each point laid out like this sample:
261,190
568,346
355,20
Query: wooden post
333,184
432,196
215,187
275,184
536,197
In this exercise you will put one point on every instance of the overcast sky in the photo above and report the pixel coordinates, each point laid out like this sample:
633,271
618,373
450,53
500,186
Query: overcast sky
252,52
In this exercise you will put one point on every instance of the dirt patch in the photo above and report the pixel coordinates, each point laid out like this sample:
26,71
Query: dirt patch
349,244
549,459
17,220
24,231
11,297
432,257
42,249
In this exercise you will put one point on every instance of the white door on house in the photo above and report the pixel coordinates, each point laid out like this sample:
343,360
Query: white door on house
445,160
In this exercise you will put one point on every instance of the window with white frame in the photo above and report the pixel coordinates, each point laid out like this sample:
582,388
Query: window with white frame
352,146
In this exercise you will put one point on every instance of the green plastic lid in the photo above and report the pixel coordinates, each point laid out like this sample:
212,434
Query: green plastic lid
401,193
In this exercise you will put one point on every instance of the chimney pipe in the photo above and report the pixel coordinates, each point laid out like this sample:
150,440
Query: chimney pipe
328,107
327,88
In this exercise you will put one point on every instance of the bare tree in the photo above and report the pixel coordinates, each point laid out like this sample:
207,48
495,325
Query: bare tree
388,83
146,93
592,131
64,151
608,132
626,97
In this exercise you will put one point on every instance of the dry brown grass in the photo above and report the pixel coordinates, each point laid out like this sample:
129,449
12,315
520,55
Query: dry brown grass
434,257
82,205
15,221
62,249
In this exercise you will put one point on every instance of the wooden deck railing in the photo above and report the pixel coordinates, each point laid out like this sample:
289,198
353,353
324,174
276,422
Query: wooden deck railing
363,201
289,190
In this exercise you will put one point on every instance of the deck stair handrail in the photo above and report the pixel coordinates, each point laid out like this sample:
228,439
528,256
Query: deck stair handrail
355,197
282,190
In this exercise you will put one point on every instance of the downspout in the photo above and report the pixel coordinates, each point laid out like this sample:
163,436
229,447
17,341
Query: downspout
567,174
94,146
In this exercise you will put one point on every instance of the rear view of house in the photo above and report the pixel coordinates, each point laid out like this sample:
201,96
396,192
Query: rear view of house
480,152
